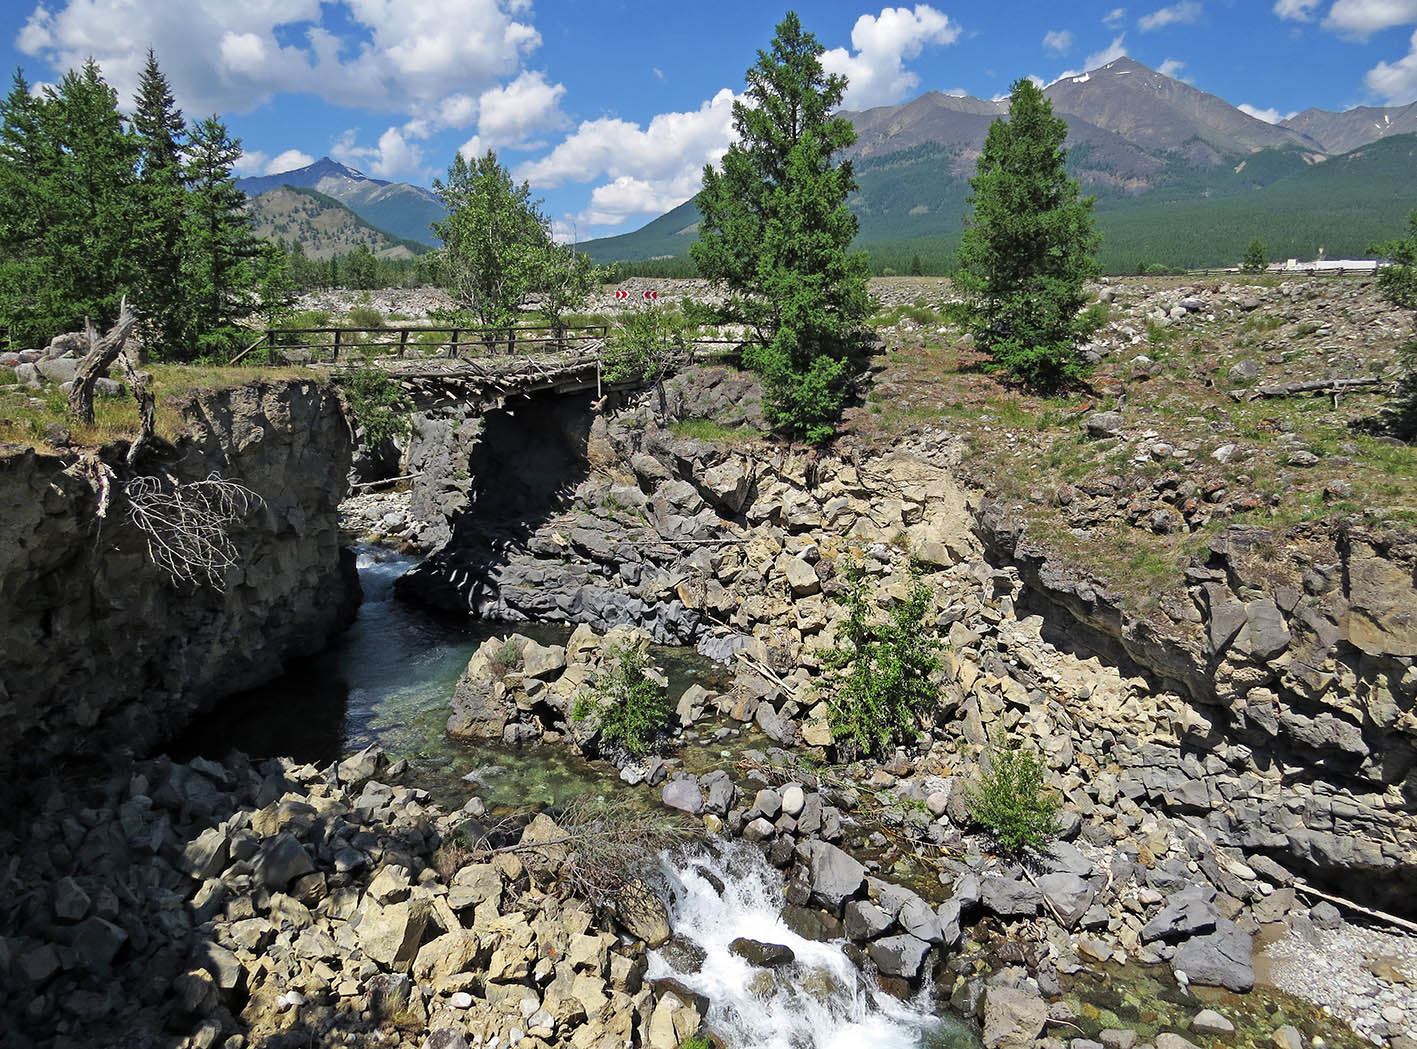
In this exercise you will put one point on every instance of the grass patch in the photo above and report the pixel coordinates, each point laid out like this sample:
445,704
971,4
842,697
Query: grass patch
1262,322
25,415
713,430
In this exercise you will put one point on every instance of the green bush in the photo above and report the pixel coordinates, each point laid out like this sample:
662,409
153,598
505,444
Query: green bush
888,686
508,656
364,316
1011,802
644,344
633,709
377,403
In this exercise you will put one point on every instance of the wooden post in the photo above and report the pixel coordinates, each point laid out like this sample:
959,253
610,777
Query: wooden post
271,346
335,358
403,343
453,346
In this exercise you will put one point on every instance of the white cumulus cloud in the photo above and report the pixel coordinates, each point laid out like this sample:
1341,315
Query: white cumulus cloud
288,161
1269,116
650,167
391,157
1115,17
1058,40
1174,68
510,115
1296,10
1363,18
882,44
1396,81
435,64
1187,12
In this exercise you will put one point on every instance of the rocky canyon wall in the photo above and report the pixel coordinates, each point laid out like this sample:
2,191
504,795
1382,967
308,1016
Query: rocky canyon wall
1277,720
102,653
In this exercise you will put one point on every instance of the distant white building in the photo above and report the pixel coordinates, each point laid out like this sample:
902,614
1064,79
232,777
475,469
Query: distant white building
1325,266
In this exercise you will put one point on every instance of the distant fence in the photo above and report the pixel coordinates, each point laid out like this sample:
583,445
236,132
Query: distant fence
328,345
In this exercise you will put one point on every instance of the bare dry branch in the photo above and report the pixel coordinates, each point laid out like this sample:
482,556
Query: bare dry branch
186,526
102,353
608,848
147,405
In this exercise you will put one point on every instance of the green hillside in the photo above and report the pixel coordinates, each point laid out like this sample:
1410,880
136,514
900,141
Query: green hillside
323,226
913,202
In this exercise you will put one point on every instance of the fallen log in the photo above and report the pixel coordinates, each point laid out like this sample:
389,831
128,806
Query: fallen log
1367,912
1289,389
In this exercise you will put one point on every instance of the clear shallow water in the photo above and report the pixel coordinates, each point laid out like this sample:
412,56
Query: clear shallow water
819,1001
388,680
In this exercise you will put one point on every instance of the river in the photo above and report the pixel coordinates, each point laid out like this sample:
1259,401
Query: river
388,680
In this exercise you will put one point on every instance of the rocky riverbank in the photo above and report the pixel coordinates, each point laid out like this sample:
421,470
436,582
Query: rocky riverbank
1122,884
1161,749
276,905
1279,718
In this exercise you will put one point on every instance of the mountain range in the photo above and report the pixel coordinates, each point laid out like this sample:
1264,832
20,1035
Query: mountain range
1181,177
405,211
322,225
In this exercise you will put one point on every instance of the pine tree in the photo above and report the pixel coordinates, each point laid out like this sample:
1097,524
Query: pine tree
219,247
1028,249
776,230
361,269
28,160
494,239
275,284
161,206
1398,283
66,175
1256,259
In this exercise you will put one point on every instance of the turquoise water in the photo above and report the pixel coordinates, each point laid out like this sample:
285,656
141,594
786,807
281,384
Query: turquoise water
389,680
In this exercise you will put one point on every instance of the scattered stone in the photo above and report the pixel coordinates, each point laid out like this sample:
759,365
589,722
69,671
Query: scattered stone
1208,1021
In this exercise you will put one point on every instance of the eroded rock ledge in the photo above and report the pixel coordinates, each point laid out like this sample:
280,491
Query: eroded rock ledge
102,653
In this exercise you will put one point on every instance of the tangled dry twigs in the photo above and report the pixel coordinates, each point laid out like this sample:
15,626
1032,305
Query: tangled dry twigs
186,526
609,849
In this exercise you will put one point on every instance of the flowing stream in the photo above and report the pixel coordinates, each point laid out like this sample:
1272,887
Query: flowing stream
820,1000
389,679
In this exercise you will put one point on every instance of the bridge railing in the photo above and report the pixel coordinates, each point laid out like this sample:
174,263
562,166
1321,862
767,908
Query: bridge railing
331,345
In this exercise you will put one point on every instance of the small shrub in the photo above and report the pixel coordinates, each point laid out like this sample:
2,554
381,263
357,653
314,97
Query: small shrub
377,403
891,661
364,316
508,656
644,345
452,856
1011,802
633,709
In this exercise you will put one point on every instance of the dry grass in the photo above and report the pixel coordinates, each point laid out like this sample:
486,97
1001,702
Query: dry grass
25,415
1022,448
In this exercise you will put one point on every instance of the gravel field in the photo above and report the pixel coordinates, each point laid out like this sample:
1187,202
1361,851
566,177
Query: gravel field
1365,976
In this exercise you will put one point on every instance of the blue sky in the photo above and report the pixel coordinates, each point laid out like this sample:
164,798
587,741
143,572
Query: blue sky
610,109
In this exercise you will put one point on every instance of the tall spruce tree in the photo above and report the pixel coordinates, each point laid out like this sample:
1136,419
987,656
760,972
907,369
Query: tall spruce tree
1028,249
28,159
219,247
66,177
90,243
1398,283
776,230
161,206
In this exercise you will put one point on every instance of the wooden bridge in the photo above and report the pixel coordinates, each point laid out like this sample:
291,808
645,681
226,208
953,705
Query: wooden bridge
336,344
455,364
